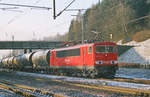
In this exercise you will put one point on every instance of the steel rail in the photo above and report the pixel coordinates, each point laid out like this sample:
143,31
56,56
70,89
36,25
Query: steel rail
122,90
24,90
131,80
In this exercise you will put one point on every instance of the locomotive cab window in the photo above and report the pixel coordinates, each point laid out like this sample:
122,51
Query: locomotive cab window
90,49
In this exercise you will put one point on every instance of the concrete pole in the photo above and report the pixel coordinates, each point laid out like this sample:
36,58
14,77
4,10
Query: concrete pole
82,23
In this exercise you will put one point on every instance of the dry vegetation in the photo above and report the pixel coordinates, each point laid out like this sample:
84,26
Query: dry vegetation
141,36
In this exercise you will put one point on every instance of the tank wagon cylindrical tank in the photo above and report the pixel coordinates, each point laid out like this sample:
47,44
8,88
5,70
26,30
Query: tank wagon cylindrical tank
41,60
23,61
10,62
4,62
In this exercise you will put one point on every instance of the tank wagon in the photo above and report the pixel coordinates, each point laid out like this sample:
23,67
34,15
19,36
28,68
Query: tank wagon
23,62
4,62
92,59
10,62
40,60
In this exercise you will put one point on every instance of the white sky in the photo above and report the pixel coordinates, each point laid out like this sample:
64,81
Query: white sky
31,24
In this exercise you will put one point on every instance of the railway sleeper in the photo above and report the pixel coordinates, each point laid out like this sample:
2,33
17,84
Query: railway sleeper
17,91
25,90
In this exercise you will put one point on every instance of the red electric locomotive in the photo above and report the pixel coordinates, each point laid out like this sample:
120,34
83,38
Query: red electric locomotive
92,59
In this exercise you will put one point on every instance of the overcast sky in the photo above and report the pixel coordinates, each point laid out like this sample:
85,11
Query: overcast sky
27,23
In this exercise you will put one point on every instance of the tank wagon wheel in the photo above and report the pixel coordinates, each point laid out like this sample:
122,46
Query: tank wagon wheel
93,74
85,74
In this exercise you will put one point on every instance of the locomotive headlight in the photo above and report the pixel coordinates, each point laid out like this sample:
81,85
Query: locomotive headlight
99,62
114,62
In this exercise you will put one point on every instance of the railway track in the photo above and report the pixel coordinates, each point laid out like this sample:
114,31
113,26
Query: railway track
131,80
119,79
33,92
26,90
71,82
120,90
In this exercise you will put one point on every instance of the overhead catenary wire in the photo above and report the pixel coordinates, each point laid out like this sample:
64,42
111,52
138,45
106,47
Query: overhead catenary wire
47,8
18,16
9,8
19,5
65,9
16,7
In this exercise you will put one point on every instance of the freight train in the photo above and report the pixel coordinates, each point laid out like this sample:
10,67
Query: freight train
91,60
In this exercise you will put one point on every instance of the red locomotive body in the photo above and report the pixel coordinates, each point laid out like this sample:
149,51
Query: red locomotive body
93,59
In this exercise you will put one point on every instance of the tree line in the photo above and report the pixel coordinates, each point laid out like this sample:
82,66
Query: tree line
112,20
